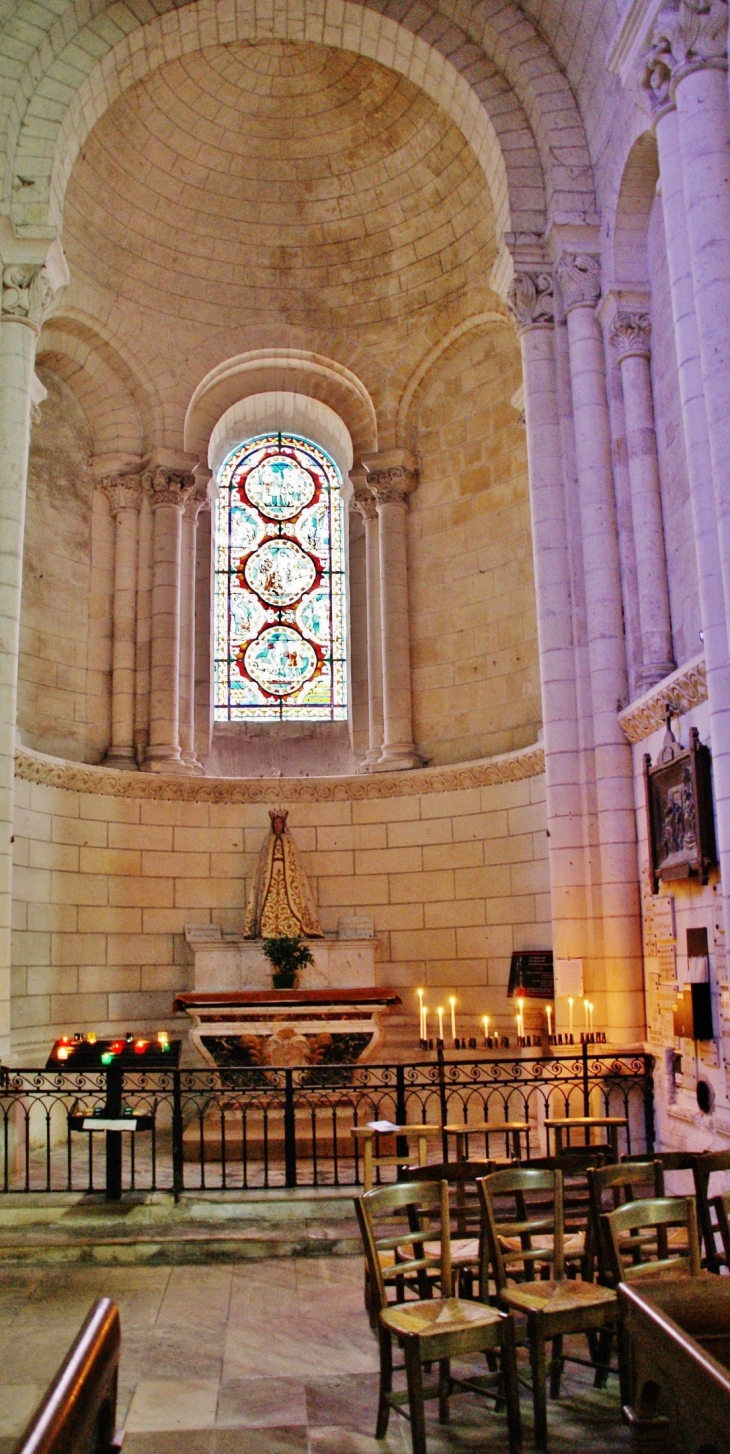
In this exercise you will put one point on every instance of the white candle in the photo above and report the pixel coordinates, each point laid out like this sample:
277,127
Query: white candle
521,1004
425,1023
519,1032
440,1014
549,1013
590,1012
570,1012
585,1012
420,1013
486,1026
452,1002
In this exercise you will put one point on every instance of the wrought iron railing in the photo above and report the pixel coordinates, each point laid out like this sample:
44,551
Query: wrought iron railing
236,1130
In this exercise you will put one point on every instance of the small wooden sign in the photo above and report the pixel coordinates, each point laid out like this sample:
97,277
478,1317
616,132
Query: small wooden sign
531,974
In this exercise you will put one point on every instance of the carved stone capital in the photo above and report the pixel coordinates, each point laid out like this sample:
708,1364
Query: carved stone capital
579,276
124,492
697,33
392,475
27,293
655,72
630,333
531,300
196,502
364,503
168,487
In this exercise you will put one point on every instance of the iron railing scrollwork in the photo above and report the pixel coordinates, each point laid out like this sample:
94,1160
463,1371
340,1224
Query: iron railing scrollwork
240,1129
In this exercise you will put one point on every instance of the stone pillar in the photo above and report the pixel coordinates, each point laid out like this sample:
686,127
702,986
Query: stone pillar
364,503
169,490
656,78
629,334
27,292
392,477
531,300
618,988
124,494
145,540
196,501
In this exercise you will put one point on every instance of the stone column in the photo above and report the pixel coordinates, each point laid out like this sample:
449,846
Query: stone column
124,494
656,79
629,334
145,541
27,292
169,490
619,988
392,477
364,503
196,501
531,300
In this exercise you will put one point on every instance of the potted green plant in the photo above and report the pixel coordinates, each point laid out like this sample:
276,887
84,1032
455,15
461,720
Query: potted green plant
287,954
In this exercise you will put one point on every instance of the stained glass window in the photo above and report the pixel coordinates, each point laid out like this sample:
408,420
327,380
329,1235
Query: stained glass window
280,614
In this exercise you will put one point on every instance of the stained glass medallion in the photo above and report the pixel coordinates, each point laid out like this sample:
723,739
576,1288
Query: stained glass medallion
280,617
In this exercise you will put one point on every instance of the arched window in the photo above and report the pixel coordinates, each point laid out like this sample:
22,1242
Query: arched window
280,614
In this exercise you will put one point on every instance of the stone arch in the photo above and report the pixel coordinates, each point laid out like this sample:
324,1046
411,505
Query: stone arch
434,52
279,370
119,404
281,409
403,422
627,263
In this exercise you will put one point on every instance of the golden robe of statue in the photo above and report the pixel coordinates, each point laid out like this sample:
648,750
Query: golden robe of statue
281,900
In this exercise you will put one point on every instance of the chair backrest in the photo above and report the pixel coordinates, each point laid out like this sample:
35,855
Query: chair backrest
395,1222
78,1411
464,1200
705,1165
721,1207
519,1205
608,1187
633,1255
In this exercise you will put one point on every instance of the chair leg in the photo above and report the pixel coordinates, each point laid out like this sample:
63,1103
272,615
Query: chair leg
556,1366
511,1387
603,1357
412,1351
444,1389
539,1401
386,1382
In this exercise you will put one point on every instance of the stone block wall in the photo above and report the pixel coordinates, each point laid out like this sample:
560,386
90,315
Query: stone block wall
452,867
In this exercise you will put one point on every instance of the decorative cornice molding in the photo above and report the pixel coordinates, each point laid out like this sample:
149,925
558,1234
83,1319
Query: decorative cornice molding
579,276
531,300
629,334
684,689
34,767
124,492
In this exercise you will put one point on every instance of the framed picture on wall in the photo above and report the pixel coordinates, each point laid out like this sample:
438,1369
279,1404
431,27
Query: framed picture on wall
679,810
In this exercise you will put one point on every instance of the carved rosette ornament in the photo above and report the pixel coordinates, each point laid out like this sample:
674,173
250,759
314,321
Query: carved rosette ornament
579,276
168,487
531,301
27,294
392,486
630,333
124,492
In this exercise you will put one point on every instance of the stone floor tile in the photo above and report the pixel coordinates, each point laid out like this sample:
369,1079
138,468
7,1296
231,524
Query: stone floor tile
294,1350
173,1352
259,1403
197,1441
338,1440
17,1402
166,1404
196,1299
282,1440
350,1401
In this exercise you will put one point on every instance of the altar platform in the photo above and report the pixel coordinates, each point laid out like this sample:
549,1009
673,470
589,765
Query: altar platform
286,1027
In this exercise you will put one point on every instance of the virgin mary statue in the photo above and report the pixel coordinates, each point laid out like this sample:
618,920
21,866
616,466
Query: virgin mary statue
281,900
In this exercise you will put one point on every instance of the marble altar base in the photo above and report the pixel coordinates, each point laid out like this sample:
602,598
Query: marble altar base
228,962
279,1028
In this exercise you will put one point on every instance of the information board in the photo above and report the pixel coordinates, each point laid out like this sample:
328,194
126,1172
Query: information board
531,974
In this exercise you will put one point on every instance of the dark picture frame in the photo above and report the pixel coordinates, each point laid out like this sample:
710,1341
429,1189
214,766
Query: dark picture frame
679,810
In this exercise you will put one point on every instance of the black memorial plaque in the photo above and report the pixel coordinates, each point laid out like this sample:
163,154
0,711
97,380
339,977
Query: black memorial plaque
531,975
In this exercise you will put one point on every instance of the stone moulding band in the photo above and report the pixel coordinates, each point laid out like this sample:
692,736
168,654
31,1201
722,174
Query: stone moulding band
54,772
684,689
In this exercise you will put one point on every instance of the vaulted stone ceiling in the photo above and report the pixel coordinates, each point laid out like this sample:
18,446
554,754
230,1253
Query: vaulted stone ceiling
278,181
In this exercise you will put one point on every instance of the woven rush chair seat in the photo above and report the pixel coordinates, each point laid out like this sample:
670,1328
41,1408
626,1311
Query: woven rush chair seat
435,1329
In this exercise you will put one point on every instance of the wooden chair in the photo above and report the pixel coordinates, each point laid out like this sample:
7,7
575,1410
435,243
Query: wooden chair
465,1219
625,1182
524,1235
720,1207
433,1330
575,1162
705,1166
78,1411
632,1254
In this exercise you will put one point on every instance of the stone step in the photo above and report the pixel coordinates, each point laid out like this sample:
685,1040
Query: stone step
214,1227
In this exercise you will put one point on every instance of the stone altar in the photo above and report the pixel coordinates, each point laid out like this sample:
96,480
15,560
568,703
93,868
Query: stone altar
232,962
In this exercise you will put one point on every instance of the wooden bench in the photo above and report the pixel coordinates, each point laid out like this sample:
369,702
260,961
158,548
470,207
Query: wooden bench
77,1414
